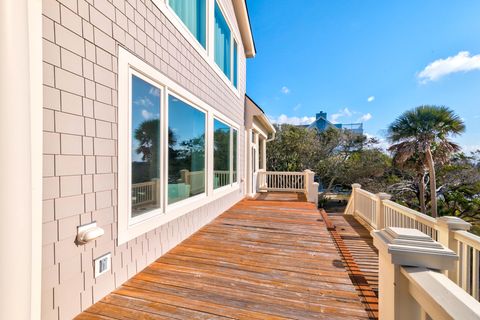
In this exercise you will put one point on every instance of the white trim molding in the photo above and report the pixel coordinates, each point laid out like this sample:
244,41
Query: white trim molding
21,163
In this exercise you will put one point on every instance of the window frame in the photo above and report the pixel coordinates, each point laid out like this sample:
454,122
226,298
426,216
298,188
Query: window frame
208,52
196,197
138,219
185,30
232,127
129,64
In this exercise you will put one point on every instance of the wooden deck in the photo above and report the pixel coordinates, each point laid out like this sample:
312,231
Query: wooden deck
267,258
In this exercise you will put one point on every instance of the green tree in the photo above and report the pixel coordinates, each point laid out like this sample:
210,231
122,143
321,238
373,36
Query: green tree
294,149
335,149
423,131
147,135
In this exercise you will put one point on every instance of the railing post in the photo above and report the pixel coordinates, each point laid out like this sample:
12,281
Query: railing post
405,247
379,209
311,187
446,227
355,187
184,175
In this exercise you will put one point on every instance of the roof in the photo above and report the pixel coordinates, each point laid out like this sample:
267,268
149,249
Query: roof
243,19
253,110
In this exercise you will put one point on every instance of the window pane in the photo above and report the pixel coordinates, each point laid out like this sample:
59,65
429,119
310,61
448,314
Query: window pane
186,150
234,160
235,64
193,15
145,147
222,42
221,154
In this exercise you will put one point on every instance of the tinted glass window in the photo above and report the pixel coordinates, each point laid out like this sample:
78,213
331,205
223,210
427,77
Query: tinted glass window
221,154
145,170
186,150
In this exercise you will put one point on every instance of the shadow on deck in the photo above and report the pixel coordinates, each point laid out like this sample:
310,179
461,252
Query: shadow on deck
266,258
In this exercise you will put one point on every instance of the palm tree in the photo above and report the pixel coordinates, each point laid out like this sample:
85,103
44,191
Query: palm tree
425,131
412,162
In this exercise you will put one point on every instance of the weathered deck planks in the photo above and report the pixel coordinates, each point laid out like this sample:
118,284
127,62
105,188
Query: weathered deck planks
267,258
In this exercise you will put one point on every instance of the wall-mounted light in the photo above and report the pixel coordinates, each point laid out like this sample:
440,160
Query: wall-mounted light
88,232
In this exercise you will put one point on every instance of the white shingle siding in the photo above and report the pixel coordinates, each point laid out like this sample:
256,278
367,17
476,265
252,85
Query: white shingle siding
80,133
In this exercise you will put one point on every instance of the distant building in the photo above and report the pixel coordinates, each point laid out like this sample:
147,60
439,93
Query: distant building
321,124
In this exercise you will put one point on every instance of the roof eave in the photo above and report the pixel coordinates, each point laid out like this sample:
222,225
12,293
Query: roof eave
241,13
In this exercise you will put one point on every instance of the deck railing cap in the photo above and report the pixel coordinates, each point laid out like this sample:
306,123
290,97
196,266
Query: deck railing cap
411,247
384,196
453,223
356,186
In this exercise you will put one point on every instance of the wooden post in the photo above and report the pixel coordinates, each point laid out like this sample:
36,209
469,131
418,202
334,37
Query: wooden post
446,227
352,201
379,209
405,247
311,191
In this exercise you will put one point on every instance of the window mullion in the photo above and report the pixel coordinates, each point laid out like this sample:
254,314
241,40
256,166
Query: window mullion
164,136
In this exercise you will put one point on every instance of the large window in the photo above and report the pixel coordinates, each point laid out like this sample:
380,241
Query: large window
221,154
224,154
193,15
186,150
145,146
172,152
225,47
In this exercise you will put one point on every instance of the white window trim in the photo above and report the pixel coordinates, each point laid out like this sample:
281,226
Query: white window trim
206,53
126,230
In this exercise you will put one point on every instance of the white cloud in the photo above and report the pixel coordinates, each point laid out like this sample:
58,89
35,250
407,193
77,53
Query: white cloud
154,92
365,117
371,98
341,113
146,114
143,102
462,62
297,106
382,142
285,90
284,119
470,147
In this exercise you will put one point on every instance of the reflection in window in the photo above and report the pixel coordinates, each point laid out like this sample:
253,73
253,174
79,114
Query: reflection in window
193,15
221,154
234,160
145,122
222,42
186,150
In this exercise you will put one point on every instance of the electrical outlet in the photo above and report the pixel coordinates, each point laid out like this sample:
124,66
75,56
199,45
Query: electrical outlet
103,264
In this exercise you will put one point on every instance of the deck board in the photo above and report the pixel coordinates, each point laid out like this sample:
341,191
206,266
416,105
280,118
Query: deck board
265,258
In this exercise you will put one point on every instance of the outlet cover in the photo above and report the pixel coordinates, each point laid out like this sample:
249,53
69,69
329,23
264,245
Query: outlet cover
103,264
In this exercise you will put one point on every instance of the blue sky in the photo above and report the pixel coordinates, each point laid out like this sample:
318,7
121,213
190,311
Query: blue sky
334,55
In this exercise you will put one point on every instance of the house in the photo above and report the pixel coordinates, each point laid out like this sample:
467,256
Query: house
125,128
144,135
260,130
321,123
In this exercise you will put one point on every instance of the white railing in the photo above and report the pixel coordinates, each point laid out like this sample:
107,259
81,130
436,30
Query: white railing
289,182
468,266
378,212
281,181
436,296
366,207
221,178
144,193
396,215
